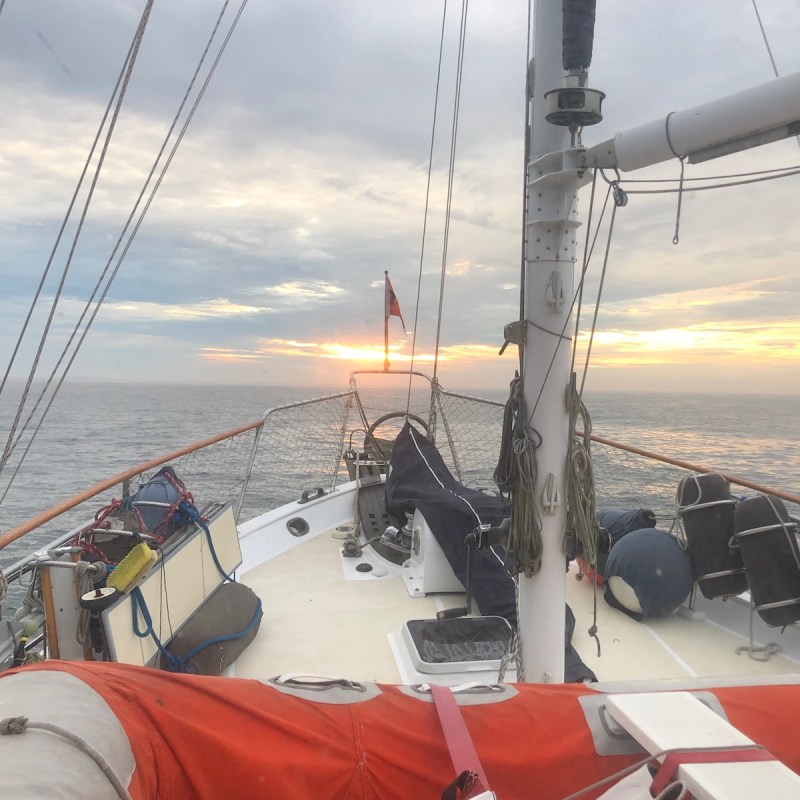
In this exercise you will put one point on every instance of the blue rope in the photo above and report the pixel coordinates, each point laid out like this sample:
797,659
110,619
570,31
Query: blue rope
138,604
193,515
228,638
180,663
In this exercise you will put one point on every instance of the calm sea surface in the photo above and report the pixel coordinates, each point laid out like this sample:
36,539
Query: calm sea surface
96,430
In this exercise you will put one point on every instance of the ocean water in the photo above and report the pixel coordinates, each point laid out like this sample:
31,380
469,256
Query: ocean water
96,430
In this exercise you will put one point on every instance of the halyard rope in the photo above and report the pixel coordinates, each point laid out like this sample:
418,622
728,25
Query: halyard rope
515,477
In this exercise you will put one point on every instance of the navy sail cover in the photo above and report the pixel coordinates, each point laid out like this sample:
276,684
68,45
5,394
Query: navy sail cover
419,479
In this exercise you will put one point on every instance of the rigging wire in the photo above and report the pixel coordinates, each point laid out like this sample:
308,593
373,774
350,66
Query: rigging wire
129,242
64,222
451,174
705,177
526,156
788,173
103,274
584,266
766,40
134,51
572,304
427,204
599,295
769,50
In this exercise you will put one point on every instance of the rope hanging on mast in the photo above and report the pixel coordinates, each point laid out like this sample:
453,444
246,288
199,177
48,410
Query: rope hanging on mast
515,477
580,536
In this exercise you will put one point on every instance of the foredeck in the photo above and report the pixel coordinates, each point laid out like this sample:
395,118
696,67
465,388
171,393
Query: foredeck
319,620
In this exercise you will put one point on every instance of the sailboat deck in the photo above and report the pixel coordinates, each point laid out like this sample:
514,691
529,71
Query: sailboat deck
318,621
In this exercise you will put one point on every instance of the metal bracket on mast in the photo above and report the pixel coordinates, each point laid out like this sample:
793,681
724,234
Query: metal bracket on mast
554,296
551,498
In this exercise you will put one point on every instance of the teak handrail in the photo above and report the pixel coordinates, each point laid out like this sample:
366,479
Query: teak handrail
93,491
677,462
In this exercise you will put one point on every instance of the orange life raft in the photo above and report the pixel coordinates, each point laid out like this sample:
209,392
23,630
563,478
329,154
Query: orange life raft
209,738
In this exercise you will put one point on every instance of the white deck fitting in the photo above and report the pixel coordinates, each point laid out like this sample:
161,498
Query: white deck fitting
677,720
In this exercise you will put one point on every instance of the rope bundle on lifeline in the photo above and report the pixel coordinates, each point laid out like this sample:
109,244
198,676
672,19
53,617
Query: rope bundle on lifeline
515,476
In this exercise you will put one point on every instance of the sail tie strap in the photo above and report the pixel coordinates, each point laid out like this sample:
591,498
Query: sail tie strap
471,778
668,770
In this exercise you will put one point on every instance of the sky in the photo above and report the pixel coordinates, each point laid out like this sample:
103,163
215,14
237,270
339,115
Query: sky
302,177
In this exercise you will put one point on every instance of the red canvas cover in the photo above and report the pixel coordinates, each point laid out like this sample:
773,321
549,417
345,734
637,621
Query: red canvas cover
208,737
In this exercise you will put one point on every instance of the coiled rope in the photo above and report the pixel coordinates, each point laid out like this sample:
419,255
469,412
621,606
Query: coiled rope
515,476
580,535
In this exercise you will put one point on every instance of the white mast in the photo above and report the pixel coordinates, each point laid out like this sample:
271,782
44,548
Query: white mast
555,171
550,255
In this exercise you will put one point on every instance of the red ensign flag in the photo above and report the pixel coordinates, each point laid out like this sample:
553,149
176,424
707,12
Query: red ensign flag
392,307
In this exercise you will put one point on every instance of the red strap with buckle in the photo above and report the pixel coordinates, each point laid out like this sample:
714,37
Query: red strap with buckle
459,743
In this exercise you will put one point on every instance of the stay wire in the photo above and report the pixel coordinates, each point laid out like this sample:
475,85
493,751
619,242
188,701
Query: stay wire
582,524
584,266
749,174
572,305
132,236
124,230
137,39
788,173
766,40
526,157
64,222
427,203
68,214
451,175
597,303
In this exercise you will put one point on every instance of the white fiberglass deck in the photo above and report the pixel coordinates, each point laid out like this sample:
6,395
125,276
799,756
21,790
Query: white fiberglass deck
317,621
